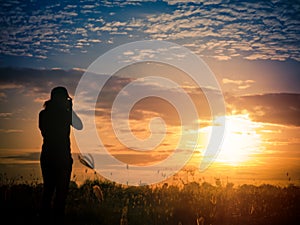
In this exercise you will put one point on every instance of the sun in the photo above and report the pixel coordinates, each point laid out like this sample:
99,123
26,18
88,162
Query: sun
241,140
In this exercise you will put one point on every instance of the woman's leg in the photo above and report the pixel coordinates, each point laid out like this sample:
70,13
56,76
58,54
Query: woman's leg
62,188
48,192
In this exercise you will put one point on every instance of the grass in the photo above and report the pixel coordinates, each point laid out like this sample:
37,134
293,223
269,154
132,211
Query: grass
194,204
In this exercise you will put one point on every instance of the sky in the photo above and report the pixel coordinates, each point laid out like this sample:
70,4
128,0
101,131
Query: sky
252,48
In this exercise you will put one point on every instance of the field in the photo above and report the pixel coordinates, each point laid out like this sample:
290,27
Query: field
104,203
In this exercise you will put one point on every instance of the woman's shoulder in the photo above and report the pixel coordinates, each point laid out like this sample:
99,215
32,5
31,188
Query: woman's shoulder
42,112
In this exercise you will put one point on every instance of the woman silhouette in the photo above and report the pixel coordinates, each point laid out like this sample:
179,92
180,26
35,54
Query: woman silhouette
56,160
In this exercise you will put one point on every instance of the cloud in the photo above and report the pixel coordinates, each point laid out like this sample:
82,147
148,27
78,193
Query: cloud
233,30
241,84
3,97
11,131
36,82
20,157
141,158
35,85
278,108
252,30
6,86
5,115
281,108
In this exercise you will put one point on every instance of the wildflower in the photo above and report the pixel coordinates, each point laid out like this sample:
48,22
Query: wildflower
97,191
251,210
200,221
124,220
218,182
213,200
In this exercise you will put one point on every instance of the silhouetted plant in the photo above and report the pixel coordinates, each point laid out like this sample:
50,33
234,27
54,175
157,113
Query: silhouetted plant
103,202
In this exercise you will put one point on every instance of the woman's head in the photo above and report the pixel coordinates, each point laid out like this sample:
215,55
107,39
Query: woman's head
59,93
59,98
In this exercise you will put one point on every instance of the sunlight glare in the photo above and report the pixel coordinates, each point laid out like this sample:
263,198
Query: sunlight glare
241,140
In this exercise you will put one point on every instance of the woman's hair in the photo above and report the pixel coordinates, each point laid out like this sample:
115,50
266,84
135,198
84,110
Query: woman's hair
57,93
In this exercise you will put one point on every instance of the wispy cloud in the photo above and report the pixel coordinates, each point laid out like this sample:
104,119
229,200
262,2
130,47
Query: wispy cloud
281,108
241,84
36,82
218,29
11,131
277,108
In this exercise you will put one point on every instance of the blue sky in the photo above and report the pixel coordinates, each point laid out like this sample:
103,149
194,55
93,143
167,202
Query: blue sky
71,34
